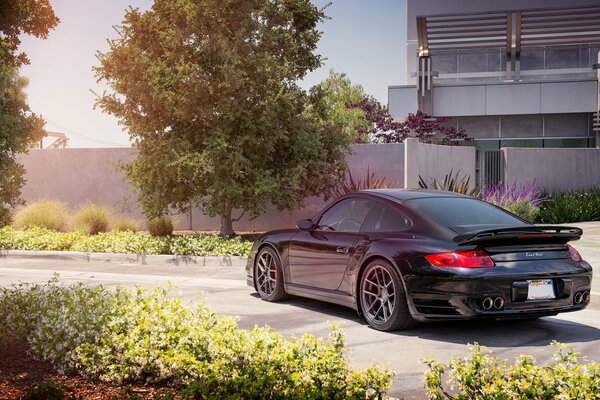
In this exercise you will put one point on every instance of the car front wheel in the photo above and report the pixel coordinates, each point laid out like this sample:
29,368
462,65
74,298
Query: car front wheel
268,276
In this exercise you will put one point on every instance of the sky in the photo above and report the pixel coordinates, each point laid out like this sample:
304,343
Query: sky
363,38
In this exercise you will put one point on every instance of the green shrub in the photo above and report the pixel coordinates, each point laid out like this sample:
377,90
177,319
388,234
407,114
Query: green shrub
149,336
162,226
122,242
571,206
93,218
123,223
48,390
482,376
38,238
49,214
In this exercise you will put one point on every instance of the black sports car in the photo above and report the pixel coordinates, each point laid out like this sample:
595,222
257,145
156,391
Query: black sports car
402,256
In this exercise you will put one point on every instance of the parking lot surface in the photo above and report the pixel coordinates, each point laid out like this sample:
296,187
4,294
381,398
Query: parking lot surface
224,288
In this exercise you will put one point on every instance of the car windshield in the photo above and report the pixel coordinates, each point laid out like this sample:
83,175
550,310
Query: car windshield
463,214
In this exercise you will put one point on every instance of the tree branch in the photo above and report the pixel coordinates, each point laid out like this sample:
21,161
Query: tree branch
240,217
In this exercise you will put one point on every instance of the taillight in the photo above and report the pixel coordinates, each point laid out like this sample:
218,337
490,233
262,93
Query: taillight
574,254
461,259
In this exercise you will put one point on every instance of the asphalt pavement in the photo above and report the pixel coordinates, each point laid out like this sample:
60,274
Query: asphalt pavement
224,288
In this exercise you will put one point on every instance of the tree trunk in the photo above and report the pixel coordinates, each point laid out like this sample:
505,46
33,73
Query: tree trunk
226,222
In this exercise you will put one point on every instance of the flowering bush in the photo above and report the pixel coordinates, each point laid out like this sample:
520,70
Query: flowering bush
482,376
37,238
523,201
148,336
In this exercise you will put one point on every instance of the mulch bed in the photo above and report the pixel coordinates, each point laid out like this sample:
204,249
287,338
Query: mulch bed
18,370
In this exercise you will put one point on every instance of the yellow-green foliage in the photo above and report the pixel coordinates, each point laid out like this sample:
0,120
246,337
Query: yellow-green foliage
162,226
93,218
123,223
483,376
49,214
150,336
37,238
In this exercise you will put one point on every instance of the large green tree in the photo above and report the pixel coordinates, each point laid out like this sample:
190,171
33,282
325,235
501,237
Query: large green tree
330,100
208,92
19,127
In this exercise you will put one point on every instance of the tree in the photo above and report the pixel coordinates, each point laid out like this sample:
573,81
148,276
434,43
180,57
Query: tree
208,92
19,127
329,101
17,17
383,128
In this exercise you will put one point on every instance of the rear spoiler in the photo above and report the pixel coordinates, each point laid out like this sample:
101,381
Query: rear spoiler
536,232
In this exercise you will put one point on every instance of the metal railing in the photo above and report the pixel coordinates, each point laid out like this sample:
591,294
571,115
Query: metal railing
490,167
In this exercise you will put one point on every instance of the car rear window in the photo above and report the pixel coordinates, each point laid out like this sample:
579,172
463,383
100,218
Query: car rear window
463,214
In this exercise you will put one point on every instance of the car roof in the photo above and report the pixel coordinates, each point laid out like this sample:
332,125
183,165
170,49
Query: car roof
409,194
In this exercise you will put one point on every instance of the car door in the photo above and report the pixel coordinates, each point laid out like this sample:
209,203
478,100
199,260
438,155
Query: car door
319,258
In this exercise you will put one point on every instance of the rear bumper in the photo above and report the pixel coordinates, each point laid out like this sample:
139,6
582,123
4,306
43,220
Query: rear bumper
435,298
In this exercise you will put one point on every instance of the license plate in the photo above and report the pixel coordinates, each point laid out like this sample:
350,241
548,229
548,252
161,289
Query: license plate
540,289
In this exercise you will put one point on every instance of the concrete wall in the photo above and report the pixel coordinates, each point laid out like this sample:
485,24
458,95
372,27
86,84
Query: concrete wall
553,168
434,161
77,176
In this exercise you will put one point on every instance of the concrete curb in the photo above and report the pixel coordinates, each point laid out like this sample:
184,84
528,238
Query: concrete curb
141,259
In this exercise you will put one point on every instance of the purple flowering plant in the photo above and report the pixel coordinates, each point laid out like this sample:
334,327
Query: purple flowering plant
498,194
522,200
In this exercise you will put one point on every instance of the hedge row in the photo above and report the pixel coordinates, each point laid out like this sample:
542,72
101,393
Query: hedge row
129,242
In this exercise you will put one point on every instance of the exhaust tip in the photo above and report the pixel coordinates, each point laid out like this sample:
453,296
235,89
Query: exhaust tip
586,297
487,303
578,298
498,303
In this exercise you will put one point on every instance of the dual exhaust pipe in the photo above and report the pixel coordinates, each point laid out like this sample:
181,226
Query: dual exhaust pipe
498,303
488,303
581,297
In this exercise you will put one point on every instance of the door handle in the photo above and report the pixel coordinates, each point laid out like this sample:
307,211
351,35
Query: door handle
343,250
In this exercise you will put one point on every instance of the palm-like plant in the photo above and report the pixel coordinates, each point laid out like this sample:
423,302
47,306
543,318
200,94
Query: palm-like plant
451,183
352,184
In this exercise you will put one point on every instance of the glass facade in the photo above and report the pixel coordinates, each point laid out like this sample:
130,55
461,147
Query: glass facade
544,62
495,144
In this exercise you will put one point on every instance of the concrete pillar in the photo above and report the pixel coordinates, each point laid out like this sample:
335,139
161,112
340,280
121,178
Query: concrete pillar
425,85
411,163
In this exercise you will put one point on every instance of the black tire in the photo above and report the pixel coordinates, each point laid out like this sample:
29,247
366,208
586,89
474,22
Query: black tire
268,275
382,298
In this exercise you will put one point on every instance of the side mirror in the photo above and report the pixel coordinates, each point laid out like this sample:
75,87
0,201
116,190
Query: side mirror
305,225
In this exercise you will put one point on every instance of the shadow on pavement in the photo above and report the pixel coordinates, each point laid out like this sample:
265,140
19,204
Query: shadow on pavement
491,333
512,333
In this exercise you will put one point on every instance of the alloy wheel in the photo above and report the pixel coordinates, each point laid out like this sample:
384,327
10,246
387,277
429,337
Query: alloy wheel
378,295
266,274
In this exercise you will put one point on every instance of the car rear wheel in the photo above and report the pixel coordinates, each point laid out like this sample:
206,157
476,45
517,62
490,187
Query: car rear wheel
268,275
382,298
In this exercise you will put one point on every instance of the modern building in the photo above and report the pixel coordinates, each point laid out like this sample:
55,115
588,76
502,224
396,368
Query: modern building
512,73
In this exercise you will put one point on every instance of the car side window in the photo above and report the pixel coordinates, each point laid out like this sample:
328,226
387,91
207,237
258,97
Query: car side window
346,216
384,219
